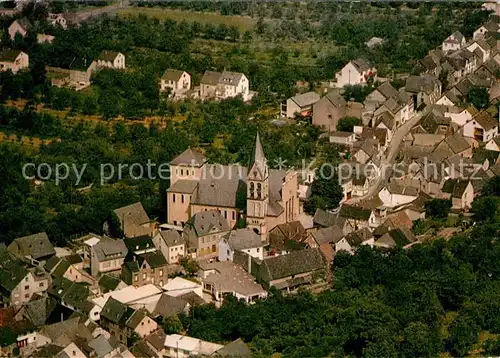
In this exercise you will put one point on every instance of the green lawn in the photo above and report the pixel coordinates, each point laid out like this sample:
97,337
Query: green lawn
243,23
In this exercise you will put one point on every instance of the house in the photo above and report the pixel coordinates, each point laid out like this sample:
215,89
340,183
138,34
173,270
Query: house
357,216
178,82
14,60
33,247
489,70
76,77
374,42
269,195
20,26
109,283
203,233
144,269
171,244
360,185
111,59
217,85
325,238
356,72
425,89
353,240
177,346
482,127
400,107
72,295
139,245
17,283
286,237
382,93
453,42
449,98
134,221
57,20
493,144
394,194
107,256
329,110
400,237
244,240
122,321
179,286
301,104
226,277
482,31
434,122
343,138
70,267
290,271
455,144
236,348
461,193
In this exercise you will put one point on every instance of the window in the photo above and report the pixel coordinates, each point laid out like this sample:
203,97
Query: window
143,276
27,295
161,272
136,278
182,172
182,198
258,249
259,190
233,214
225,214
173,195
41,284
252,188
27,287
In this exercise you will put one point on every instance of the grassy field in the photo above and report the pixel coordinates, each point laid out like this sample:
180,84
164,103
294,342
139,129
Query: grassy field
243,23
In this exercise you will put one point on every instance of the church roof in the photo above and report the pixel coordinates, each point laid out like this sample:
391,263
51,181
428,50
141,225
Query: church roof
258,158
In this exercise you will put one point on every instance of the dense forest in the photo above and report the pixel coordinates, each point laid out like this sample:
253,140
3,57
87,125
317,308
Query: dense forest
432,298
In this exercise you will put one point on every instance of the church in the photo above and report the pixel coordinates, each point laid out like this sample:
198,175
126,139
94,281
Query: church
262,196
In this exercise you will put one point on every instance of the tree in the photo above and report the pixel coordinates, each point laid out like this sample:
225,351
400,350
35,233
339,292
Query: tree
486,208
438,208
492,187
326,191
171,324
478,96
347,124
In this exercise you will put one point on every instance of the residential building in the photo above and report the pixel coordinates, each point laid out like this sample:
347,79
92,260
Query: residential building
14,60
139,245
33,247
76,77
400,237
356,72
225,277
483,47
425,89
301,104
482,127
144,269
45,38
493,144
107,256
134,221
289,272
454,42
122,321
17,283
286,237
171,245
343,138
20,26
111,59
203,233
178,82
177,346
483,30
357,216
461,193
245,240
179,286
57,20
394,194
329,110
70,267
217,85
72,295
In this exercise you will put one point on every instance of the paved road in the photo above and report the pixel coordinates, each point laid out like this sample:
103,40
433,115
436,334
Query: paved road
389,159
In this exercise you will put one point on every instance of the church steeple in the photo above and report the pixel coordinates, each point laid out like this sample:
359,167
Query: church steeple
257,189
258,161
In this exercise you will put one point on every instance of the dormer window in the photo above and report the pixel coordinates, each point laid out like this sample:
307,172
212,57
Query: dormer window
252,189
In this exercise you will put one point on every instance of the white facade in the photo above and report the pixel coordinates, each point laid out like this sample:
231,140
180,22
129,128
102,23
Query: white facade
183,84
459,118
486,52
391,200
183,347
19,63
226,253
473,129
29,286
350,75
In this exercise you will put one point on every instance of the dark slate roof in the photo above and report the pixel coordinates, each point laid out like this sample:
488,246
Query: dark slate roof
142,350
73,259
356,238
306,99
9,55
135,319
107,249
131,217
37,246
242,239
387,90
184,186
258,159
192,298
24,23
139,243
355,212
455,187
171,237
115,311
431,122
172,75
210,78
51,263
361,65
324,218
191,157
61,269
228,77
157,339
168,305
108,283
205,222
154,259
108,55
294,263
12,272
332,234
485,120
336,99
236,348
39,310
423,83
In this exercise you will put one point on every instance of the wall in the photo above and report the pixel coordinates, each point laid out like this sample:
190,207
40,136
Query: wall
230,214
146,327
178,208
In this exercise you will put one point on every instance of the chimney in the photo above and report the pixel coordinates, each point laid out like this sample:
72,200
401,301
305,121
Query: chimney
263,232
249,264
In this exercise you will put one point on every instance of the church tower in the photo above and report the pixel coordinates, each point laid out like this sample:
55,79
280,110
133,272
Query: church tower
257,190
